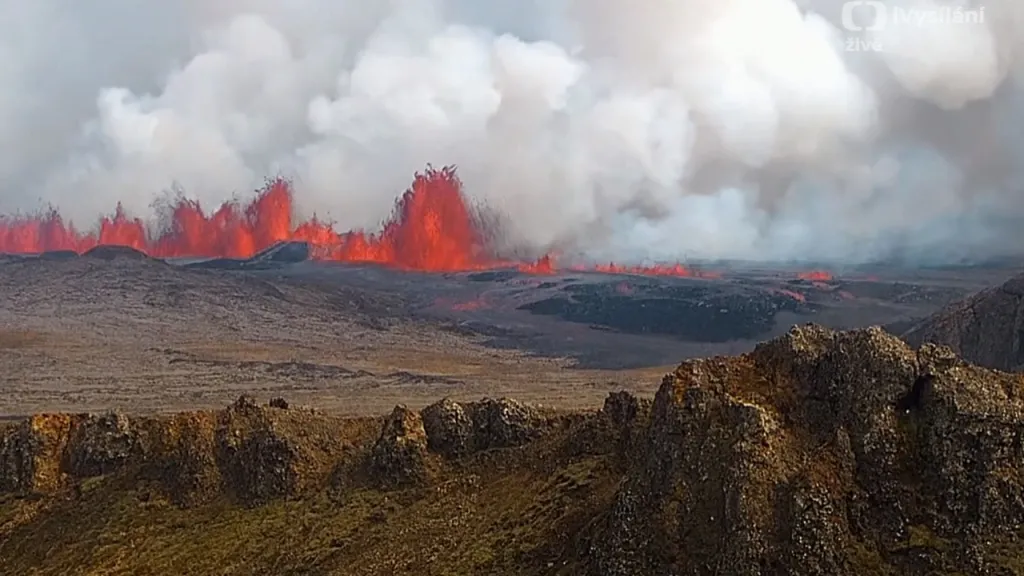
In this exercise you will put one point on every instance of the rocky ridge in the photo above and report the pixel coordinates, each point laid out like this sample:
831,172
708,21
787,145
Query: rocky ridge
819,452
825,453
986,328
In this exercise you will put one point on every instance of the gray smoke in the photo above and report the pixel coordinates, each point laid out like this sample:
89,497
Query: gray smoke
632,130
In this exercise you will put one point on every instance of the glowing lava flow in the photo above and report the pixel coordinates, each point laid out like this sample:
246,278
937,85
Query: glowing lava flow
815,276
432,229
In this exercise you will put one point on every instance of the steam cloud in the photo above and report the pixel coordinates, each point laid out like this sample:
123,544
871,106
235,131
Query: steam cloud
625,129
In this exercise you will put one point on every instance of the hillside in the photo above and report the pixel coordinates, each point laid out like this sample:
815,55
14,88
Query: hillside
114,329
819,452
986,328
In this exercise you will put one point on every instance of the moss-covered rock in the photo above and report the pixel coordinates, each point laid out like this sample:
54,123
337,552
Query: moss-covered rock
819,453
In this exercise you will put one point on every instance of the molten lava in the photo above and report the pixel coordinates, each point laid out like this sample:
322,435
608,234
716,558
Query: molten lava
794,295
815,275
431,229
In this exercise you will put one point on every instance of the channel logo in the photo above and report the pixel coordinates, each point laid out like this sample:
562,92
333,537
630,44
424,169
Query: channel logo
864,15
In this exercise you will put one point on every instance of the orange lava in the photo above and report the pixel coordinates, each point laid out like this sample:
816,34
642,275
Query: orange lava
431,229
815,275
794,295
544,265
478,304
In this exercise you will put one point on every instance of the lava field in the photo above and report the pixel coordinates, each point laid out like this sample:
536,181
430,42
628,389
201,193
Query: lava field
188,313
607,319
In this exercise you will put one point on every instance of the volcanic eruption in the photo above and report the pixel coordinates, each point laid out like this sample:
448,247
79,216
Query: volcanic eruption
432,229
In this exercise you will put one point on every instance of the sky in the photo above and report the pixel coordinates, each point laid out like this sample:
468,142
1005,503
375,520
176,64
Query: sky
646,130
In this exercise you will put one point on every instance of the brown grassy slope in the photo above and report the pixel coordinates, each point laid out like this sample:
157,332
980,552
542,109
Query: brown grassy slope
480,523
144,336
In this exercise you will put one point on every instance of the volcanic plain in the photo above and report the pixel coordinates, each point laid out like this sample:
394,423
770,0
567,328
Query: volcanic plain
115,329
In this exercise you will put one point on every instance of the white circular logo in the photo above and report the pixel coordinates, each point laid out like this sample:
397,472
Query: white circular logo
860,15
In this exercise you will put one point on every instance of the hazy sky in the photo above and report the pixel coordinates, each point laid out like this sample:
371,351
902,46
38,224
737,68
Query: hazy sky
640,129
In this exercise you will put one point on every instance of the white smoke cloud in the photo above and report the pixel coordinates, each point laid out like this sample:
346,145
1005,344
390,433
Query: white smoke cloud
627,130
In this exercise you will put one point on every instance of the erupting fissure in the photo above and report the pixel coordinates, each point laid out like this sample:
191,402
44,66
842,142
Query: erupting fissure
432,229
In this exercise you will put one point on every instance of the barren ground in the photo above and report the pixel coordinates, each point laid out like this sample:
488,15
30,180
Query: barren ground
86,334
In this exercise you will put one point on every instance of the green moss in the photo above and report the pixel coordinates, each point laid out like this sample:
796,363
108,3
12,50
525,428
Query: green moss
485,520
866,560
923,537
1009,555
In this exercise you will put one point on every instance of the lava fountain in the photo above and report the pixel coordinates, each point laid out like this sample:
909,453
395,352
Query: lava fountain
431,229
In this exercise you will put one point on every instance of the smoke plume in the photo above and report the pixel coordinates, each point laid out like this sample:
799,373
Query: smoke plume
634,130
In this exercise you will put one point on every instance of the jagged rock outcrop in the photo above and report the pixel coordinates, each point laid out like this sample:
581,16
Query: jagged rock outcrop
250,452
823,453
628,416
265,453
986,329
625,409
819,452
258,465
180,455
503,423
99,444
455,429
449,428
31,452
399,458
39,454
